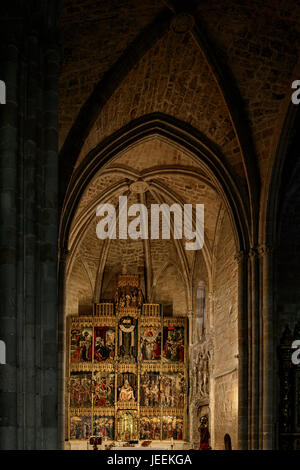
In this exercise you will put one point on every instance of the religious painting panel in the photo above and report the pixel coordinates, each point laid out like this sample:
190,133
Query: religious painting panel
127,339
173,344
150,343
104,343
81,344
127,387
80,427
172,386
104,389
80,390
150,389
104,426
172,428
150,428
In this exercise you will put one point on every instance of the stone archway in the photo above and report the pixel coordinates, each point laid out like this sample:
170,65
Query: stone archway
173,135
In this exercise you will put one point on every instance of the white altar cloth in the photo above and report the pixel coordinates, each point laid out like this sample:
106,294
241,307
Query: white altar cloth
155,445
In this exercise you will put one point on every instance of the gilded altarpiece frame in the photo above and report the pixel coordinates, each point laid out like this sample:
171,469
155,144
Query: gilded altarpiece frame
127,371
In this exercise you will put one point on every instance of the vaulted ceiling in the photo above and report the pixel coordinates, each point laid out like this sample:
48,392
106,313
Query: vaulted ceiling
247,48
223,69
168,176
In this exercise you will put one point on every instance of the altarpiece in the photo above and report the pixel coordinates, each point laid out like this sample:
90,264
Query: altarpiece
127,370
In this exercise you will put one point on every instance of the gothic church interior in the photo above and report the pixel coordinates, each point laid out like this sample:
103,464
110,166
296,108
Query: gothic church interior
141,340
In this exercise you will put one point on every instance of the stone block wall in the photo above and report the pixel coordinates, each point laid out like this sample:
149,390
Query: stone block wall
225,403
224,383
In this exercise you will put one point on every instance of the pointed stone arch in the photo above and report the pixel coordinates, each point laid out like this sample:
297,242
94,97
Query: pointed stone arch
178,134
212,164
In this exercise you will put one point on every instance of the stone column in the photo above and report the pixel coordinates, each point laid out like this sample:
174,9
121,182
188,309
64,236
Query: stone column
49,245
61,338
191,332
9,328
243,352
268,350
255,348
28,263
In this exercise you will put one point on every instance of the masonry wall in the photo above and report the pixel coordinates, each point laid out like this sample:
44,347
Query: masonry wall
224,384
170,291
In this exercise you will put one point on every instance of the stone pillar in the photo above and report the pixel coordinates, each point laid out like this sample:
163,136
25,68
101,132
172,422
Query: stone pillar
29,211
49,245
61,338
255,347
191,333
243,352
268,350
191,330
9,276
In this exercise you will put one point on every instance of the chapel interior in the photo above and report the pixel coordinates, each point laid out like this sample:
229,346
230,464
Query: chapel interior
143,342
180,286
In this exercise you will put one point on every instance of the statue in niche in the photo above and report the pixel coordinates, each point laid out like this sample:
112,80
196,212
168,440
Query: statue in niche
127,387
122,302
201,375
126,392
117,298
134,298
128,297
127,428
206,373
140,298
128,300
